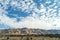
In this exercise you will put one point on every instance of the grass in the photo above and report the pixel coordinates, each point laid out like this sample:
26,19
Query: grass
3,37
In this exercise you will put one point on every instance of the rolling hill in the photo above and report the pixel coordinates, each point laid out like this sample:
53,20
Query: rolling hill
25,31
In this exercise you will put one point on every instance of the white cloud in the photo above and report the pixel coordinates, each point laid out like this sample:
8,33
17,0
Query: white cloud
34,20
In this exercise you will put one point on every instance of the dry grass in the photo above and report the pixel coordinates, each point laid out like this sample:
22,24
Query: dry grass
29,38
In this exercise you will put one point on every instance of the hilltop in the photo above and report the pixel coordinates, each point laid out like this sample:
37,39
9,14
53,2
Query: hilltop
25,31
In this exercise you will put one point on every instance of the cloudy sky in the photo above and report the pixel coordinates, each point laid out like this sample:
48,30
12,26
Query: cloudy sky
42,14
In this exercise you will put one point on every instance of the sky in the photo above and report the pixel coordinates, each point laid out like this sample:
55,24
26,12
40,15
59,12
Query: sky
42,14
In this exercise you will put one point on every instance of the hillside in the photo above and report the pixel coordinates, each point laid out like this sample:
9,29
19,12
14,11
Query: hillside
25,31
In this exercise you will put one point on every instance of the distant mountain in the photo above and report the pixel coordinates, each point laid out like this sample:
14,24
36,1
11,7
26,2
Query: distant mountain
54,31
25,31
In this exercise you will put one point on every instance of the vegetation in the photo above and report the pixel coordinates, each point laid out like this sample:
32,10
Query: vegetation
30,37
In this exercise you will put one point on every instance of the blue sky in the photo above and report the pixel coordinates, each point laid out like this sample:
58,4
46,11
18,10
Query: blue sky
43,14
